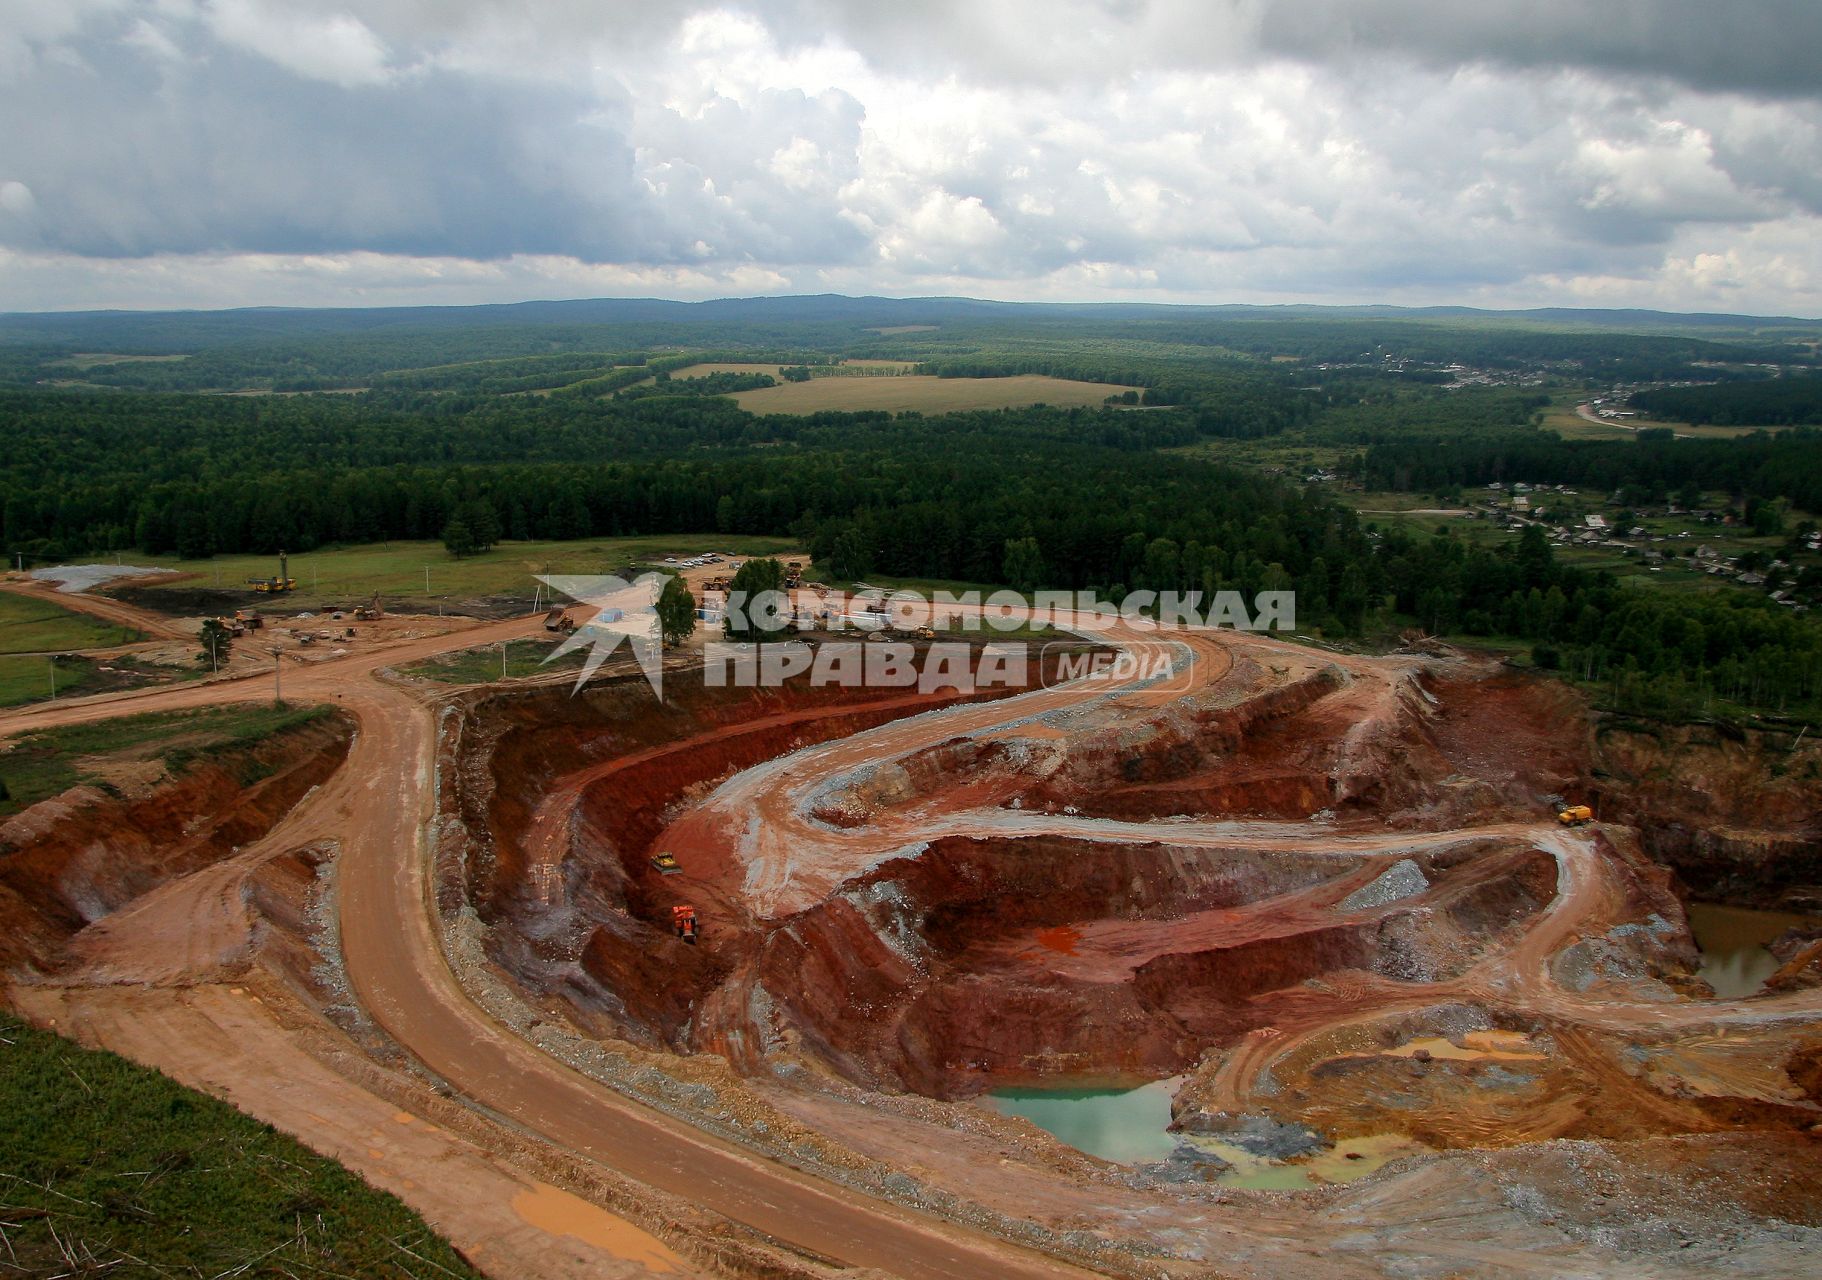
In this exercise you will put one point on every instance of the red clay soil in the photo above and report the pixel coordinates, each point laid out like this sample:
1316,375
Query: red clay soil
958,963
1081,884
66,865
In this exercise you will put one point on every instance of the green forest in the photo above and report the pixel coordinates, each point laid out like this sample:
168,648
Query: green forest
575,426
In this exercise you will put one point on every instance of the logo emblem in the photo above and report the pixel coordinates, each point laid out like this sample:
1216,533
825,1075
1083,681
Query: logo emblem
624,611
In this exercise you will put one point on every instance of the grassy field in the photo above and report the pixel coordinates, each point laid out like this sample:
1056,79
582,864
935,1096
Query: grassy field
95,359
348,575
36,766
925,394
29,679
107,1168
482,665
30,624
26,678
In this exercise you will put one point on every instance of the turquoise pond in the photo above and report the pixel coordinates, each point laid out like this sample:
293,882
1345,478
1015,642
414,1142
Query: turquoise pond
1123,1125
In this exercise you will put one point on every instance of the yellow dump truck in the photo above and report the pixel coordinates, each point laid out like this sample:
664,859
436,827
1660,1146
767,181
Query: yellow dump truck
1575,815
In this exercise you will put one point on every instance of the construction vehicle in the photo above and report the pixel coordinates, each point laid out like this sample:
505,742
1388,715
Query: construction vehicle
683,922
559,621
667,864
249,619
283,582
1575,815
370,612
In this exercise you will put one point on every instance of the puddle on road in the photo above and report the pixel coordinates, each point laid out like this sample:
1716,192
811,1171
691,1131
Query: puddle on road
1128,1126
556,1211
1732,941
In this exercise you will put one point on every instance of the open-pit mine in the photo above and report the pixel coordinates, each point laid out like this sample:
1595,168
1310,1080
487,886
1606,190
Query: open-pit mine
750,981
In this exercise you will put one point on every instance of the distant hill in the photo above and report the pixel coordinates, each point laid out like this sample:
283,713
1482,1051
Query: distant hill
197,330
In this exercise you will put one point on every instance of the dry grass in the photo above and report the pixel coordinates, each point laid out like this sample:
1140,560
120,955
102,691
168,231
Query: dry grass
925,394
95,359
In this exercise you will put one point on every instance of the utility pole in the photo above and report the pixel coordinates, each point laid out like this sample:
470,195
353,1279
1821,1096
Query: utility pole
426,579
502,659
53,661
278,675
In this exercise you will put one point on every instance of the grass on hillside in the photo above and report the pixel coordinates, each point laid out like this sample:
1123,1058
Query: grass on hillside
32,624
107,1168
36,766
349,575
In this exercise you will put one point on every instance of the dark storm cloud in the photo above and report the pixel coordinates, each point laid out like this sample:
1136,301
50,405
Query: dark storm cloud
1759,47
127,157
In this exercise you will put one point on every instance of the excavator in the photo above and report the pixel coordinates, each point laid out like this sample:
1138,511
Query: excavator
683,922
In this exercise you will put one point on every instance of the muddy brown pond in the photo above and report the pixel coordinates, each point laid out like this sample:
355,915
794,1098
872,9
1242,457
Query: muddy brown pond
1732,941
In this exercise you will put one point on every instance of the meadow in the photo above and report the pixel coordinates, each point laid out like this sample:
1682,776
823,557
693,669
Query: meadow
32,624
924,394
397,570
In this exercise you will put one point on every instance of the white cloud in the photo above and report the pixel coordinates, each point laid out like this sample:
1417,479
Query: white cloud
338,47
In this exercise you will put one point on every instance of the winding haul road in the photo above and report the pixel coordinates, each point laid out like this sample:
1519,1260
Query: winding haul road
378,808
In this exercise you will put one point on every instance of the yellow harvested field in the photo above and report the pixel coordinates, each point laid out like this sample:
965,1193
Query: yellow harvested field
925,394
704,370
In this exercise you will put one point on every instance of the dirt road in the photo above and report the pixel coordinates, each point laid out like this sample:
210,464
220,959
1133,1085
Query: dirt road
376,808
154,625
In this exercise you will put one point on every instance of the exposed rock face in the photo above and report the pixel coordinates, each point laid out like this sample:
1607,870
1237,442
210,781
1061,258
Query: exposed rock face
1739,817
964,961
1403,879
955,963
77,858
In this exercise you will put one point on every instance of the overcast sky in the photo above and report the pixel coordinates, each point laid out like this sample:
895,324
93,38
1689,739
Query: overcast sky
1662,153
